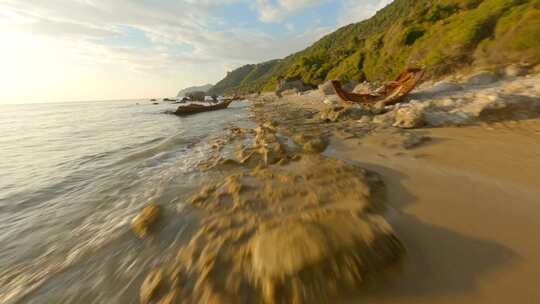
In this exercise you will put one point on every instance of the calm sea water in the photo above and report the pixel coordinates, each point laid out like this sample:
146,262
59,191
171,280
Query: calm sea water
73,175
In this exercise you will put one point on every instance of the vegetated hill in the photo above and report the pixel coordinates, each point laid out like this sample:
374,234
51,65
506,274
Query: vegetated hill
203,88
247,78
442,36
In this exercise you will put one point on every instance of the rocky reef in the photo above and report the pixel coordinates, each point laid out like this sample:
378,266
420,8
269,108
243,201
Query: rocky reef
283,223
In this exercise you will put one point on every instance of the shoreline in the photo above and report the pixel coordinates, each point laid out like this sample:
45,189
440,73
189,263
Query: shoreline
446,197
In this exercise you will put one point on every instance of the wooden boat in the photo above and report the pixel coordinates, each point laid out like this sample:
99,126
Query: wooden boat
389,93
194,108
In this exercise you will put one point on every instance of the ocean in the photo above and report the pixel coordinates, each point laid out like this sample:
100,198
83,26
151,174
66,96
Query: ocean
72,177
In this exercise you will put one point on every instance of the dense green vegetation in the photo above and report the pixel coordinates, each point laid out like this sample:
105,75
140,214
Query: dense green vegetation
442,36
248,78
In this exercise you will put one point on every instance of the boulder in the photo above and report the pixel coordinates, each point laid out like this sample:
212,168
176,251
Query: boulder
292,84
315,145
304,260
409,118
535,69
309,143
481,78
142,223
515,70
332,100
385,120
327,89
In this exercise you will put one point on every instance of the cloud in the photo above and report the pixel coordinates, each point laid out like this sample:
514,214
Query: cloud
87,22
278,11
162,39
355,11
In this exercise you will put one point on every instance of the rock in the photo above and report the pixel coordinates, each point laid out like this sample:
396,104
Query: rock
150,286
295,84
364,88
142,223
306,259
310,143
409,118
411,140
332,100
315,145
378,107
327,89
385,120
515,70
481,78
334,114
364,120
535,69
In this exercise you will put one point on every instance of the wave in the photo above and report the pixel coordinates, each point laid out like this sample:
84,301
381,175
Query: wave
168,145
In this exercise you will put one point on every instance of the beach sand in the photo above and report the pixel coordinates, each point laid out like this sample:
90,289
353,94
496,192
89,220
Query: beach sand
466,208
444,215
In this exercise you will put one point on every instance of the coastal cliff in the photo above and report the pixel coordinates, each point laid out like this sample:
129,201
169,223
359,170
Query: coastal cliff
203,88
443,36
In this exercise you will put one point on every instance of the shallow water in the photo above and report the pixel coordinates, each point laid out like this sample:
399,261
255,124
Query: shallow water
73,175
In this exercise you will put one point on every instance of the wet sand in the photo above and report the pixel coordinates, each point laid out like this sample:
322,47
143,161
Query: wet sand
466,206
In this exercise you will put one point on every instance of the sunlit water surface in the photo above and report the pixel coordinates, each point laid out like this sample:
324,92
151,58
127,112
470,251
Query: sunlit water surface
73,175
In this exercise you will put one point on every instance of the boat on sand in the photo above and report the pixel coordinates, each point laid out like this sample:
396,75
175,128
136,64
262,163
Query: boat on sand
194,108
390,93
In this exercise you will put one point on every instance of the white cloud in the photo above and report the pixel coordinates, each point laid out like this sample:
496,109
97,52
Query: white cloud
271,11
355,11
181,39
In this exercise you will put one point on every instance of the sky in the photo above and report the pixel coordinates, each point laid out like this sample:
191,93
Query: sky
72,50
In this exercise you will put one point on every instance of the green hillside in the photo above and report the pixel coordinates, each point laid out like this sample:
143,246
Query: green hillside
440,35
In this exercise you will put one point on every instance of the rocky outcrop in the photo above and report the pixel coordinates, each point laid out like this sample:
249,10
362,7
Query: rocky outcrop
143,222
204,88
409,118
517,98
292,84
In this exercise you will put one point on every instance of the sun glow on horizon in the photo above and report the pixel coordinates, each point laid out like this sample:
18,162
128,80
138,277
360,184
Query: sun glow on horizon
38,69
54,51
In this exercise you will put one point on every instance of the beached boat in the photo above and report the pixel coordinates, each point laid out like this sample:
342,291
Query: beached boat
194,108
390,93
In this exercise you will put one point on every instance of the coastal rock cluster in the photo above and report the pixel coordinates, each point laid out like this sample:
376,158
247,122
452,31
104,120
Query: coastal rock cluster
455,103
483,96
284,225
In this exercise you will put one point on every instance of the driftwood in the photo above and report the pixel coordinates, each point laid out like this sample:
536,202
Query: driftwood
194,108
389,93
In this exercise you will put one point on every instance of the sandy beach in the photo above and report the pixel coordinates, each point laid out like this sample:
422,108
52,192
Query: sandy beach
321,203
466,208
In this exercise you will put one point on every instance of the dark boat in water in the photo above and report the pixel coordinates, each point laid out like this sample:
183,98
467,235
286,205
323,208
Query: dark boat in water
194,108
